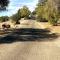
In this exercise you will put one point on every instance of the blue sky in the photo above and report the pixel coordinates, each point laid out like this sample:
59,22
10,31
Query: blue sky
14,5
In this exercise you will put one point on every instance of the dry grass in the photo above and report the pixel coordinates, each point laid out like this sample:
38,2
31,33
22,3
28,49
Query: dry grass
55,29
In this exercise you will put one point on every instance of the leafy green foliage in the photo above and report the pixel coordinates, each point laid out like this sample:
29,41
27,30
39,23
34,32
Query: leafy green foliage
15,18
24,12
4,18
40,10
47,10
3,4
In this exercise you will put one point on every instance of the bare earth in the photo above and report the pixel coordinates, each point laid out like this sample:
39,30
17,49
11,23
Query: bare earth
36,50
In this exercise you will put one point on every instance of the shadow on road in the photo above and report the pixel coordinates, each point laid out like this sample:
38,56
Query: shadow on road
28,34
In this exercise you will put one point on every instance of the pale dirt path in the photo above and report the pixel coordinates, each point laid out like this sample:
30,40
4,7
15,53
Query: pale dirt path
38,50
30,51
30,24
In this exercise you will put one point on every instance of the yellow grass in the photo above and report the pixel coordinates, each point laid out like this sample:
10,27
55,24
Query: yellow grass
55,29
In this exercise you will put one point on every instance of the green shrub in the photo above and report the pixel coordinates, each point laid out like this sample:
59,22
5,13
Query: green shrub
53,22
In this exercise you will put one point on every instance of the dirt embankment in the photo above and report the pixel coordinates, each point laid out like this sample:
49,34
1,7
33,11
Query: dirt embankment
55,29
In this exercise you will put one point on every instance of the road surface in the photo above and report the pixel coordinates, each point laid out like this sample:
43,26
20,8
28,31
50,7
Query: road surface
31,50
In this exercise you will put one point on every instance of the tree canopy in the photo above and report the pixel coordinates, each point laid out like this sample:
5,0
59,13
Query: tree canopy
24,12
48,10
3,4
4,18
16,17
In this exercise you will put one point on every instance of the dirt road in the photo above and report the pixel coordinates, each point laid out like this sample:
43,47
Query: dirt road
31,50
